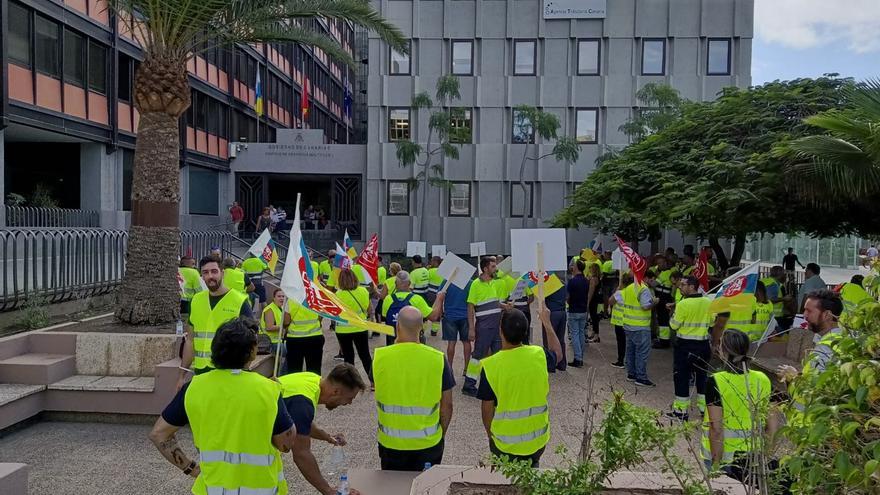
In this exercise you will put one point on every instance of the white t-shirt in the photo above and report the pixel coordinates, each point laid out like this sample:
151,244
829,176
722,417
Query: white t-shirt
872,252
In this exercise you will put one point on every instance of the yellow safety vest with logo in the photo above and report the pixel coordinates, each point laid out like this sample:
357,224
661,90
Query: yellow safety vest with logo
306,384
274,337
853,297
326,271
741,432
409,379
303,321
234,279
752,322
434,280
232,414
664,282
633,313
206,321
692,318
419,278
191,282
768,283
521,425
617,311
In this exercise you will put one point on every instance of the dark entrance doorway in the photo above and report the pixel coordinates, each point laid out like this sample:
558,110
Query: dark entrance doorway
44,174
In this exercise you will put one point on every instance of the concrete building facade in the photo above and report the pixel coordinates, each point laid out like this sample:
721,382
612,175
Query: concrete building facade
581,60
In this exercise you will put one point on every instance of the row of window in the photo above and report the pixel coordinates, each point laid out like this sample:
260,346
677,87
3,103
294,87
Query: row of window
458,196
525,54
57,51
586,122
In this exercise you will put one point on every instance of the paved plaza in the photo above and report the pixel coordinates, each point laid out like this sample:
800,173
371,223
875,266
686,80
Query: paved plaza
102,459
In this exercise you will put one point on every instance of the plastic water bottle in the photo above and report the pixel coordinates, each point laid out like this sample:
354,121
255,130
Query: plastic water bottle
343,485
336,462
179,327
427,466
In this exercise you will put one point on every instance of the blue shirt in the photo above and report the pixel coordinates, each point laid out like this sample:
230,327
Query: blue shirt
578,288
556,301
455,305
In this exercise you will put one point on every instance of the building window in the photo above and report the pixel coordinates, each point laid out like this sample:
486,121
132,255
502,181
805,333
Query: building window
48,47
399,62
462,58
398,198
461,126
74,59
517,200
588,57
127,174
586,126
203,191
460,199
524,58
718,63
398,124
523,132
19,34
97,68
653,57
126,73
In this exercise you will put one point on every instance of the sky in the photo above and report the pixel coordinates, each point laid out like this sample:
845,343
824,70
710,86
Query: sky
807,38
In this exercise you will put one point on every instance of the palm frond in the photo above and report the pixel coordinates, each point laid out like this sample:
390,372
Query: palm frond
865,96
845,168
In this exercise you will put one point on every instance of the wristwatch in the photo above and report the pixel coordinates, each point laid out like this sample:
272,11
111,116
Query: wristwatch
189,469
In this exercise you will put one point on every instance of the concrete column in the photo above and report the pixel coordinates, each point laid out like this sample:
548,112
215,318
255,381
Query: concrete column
2,178
100,183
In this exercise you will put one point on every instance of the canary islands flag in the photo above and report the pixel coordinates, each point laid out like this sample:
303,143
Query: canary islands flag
298,284
349,246
258,105
264,248
551,282
737,292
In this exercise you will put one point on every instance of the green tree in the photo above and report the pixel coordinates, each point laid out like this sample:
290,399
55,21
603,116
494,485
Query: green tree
846,159
529,122
172,32
714,173
660,105
441,126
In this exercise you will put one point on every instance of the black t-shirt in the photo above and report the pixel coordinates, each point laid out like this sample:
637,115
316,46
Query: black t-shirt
302,412
485,392
788,261
448,377
175,413
213,300
578,288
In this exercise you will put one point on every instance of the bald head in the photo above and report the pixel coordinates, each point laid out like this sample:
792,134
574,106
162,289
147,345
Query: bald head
409,323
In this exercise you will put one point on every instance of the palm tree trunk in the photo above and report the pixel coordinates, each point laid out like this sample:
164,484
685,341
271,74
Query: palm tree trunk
149,293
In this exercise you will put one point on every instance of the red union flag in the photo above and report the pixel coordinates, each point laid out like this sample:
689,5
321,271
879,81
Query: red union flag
369,258
701,270
637,264
315,299
736,286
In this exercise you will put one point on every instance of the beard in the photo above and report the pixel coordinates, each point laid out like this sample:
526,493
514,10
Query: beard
212,284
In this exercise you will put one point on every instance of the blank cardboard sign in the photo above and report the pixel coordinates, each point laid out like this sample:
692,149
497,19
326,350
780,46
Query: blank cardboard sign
416,248
438,250
506,267
524,249
478,248
456,270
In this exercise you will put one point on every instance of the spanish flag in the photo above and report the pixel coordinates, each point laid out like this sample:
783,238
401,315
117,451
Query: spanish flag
258,105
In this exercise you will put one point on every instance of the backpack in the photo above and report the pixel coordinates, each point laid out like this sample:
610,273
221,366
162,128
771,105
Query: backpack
396,306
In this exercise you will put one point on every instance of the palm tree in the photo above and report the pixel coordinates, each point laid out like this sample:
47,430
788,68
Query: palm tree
172,32
846,160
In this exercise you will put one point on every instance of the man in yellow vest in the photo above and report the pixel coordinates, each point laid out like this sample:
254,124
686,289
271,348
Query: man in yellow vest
435,282
325,269
419,277
637,304
302,394
414,385
853,294
253,268
692,352
776,294
239,423
305,339
514,389
402,297
210,309
484,316
191,283
234,277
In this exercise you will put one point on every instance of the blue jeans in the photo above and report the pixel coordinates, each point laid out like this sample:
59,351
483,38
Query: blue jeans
638,347
577,322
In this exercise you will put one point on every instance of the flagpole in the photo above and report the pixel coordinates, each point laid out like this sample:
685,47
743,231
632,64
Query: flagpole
734,276
282,331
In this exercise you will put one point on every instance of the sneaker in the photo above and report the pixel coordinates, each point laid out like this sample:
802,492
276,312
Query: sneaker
630,378
593,339
677,415
433,333
645,383
618,364
576,364
469,391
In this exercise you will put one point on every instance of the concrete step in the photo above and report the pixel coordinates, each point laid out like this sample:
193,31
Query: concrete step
37,368
13,478
10,392
93,383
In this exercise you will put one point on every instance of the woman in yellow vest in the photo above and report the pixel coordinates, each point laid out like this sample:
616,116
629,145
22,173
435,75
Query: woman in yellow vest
305,339
239,423
356,298
616,304
737,418
273,324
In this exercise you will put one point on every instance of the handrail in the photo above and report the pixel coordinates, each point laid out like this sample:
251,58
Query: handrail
33,216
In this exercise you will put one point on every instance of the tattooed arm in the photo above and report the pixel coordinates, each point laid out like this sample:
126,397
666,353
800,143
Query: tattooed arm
163,438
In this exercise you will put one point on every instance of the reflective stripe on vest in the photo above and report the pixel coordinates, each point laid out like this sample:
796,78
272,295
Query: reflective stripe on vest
303,322
741,432
219,490
692,319
487,307
236,458
518,376
408,404
633,313
275,336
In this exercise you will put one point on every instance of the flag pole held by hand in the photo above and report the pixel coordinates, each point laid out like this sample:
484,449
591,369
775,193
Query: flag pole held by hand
281,335
540,259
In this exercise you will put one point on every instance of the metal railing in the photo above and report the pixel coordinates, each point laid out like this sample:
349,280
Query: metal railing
54,265
29,216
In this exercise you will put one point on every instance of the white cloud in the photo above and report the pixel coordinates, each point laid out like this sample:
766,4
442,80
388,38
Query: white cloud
810,23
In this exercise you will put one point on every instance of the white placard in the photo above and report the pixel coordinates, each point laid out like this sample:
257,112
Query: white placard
618,260
575,9
506,267
438,250
524,249
518,291
456,270
478,248
416,248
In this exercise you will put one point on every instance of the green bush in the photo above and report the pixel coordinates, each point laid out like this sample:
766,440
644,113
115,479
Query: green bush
34,313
